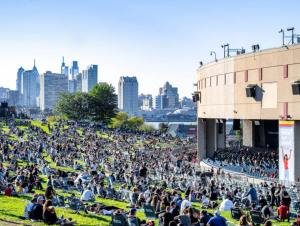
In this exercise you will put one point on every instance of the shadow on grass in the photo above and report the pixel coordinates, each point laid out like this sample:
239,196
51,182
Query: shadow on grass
95,217
5,213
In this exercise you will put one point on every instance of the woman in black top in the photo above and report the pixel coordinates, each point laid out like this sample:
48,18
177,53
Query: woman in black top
49,214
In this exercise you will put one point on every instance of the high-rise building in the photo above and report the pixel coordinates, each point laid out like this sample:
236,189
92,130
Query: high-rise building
13,98
3,94
89,78
19,85
31,87
145,102
52,85
19,79
168,97
79,82
74,69
161,102
72,84
64,69
128,95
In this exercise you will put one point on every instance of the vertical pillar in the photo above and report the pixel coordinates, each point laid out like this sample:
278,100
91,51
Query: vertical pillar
211,138
248,133
201,136
221,134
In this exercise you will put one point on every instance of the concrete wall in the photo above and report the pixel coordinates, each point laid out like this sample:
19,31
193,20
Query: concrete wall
222,85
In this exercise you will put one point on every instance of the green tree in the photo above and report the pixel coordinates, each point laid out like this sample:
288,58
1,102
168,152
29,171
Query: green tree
100,104
103,104
73,105
134,123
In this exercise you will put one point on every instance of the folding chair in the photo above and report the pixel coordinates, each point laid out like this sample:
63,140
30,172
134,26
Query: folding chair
256,217
236,213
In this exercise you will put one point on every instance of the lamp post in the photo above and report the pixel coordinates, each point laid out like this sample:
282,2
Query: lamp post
214,53
282,31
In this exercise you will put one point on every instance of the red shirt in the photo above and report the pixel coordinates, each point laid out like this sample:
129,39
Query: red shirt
8,191
283,212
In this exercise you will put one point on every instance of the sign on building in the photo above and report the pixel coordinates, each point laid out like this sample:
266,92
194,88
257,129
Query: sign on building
286,151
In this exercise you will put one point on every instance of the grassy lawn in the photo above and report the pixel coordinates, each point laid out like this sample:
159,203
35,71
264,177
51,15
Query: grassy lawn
41,125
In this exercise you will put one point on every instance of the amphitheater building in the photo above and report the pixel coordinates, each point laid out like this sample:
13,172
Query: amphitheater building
259,93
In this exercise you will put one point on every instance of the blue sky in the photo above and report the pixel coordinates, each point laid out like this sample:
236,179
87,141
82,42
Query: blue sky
155,40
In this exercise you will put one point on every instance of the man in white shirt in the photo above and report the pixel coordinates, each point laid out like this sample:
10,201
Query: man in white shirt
87,195
226,204
185,204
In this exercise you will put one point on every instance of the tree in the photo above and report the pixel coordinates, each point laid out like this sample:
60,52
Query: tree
134,123
73,105
103,104
120,121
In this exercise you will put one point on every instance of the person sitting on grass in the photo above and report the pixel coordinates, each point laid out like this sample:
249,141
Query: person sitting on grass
226,204
118,218
87,195
50,217
28,208
36,213
133,220
244,221
50,193
283,212
217,220
204,218
10,191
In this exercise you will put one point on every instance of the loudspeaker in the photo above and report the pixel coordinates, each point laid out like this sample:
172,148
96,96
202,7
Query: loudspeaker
250,91
236,124
296,88
197,97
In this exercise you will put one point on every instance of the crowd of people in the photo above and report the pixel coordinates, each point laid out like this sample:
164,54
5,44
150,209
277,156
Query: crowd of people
255,162
150,171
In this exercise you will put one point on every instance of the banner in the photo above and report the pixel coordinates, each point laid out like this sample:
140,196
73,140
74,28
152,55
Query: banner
286,151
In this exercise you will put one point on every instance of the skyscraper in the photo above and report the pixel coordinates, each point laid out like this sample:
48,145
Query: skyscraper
31,87
128,95
79,82
52,85
19,85
168,97
74,69
89,78
64,69
72,78
19,79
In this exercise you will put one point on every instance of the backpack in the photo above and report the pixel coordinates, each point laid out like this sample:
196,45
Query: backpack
33,213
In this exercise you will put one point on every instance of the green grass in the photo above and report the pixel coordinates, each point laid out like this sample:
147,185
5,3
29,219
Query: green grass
12,209
44,127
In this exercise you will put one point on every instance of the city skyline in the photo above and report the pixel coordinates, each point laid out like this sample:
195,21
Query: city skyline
155,41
